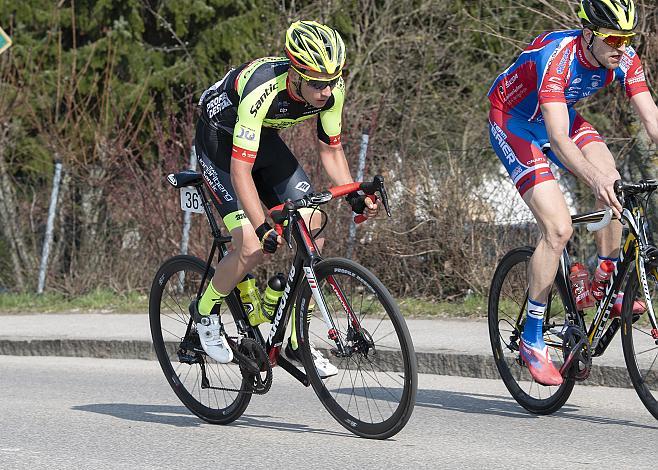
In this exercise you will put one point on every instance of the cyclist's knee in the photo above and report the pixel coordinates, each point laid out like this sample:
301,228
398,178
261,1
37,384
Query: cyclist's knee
557,235
250,252
247,246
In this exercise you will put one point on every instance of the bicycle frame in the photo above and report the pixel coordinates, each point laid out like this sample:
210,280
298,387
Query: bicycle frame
306,256
637,238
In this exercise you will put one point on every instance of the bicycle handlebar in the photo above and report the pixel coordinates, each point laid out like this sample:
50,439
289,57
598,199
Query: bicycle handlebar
603,217
604,222
282,212
643,186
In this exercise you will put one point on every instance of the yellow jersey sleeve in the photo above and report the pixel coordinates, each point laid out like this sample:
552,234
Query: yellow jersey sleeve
251,113
330,120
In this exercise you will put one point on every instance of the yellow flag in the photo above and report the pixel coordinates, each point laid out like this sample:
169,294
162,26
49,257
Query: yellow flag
5,41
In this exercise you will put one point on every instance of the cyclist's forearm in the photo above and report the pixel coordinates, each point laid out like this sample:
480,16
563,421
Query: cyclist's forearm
245,188
652,129
647,111
569,154
335,164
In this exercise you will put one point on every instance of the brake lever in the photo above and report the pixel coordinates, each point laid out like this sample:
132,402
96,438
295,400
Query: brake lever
379,181
289,206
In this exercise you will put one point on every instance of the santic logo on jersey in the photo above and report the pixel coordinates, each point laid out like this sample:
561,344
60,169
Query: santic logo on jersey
256,106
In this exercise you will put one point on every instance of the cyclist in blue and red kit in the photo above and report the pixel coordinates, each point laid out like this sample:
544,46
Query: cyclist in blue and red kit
532,106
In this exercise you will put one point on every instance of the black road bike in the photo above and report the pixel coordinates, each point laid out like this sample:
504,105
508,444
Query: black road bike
572,344
355,323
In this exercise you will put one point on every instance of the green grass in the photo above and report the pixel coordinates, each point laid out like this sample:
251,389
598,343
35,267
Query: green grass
474,306
108,301
105,301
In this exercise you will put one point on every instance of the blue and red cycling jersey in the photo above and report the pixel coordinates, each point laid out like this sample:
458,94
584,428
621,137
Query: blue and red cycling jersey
553,68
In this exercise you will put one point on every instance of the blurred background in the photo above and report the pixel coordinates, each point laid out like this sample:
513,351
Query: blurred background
109,89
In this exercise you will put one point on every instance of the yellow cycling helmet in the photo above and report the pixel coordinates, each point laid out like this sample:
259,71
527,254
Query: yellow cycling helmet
612,14
314,46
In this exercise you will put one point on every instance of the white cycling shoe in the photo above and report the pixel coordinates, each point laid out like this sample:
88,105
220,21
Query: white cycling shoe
212,339
325,368
322,365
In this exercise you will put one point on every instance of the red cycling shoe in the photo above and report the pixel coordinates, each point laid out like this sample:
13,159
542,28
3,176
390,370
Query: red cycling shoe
638,306
539,364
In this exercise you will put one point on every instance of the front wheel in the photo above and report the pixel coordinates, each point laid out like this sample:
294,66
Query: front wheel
367,340
508,299
640,340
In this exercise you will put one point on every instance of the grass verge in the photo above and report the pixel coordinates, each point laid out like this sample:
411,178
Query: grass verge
105,301
474,306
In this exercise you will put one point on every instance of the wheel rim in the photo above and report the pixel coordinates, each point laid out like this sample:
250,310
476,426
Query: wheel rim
178,291
645,349
372,383
512,302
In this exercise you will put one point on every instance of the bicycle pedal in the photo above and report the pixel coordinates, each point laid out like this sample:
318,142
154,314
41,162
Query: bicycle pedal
186,358
559,333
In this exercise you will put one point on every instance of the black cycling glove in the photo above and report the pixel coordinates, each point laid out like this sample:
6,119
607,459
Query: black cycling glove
268,237
357,201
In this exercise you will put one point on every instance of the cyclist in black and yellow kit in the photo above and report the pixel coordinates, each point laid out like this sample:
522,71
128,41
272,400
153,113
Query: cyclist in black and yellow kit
245,162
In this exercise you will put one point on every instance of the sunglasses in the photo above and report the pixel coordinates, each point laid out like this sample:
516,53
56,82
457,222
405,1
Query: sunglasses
615,40
319,83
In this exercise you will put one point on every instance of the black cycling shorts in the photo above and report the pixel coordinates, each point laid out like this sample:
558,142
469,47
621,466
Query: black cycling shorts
276,172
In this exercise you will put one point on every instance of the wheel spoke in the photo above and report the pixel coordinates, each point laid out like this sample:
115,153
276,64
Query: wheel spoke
368,389
178,285
508,303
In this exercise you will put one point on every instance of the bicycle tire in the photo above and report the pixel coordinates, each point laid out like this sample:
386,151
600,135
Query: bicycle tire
383,377
640,347
507,299
169,299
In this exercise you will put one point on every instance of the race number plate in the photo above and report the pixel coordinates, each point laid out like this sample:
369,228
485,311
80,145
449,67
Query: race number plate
190,201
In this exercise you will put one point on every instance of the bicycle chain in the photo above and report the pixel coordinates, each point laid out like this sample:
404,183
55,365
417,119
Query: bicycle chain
243,354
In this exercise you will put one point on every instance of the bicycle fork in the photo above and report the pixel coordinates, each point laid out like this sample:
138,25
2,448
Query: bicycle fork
332,331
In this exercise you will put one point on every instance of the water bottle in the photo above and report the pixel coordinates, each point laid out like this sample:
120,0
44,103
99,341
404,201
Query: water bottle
601,277
273,293
251,300
579,278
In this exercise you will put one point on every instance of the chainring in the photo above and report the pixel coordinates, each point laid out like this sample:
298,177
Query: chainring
575,341
261,382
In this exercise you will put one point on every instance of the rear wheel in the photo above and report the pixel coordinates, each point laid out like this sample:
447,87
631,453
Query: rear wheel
640,345
508,297
189,371
374,391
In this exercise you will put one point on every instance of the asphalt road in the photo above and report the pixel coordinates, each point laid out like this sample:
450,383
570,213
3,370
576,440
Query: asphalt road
62,413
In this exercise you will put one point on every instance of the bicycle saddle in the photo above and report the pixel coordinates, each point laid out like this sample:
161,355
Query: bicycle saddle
185,178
